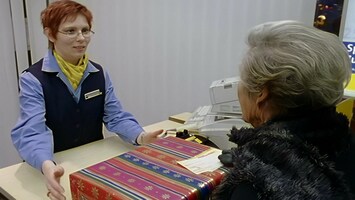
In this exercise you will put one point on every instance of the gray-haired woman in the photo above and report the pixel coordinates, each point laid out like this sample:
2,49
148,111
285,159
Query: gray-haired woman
292,78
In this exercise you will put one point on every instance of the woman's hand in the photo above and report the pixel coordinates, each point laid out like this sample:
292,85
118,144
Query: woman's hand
52,174
227,157
148,137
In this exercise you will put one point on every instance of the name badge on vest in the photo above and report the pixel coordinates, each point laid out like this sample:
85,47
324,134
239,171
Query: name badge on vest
92,94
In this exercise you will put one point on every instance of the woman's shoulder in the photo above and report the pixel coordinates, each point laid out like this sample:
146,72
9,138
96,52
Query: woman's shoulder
274,160
244,191
345,162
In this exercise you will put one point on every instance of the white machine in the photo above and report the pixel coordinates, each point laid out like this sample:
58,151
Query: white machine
224,97
215,121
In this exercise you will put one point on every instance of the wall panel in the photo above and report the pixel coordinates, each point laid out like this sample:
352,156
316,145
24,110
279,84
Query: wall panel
8,87
163,55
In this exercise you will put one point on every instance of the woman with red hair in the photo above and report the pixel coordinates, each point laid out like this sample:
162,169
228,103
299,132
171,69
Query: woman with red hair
65,97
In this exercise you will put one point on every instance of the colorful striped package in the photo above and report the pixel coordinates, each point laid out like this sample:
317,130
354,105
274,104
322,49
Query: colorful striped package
148,172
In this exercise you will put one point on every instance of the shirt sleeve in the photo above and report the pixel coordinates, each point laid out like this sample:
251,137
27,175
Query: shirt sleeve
116,119
31,137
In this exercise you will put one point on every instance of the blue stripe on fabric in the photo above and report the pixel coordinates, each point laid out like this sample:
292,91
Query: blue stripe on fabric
148,180
195,183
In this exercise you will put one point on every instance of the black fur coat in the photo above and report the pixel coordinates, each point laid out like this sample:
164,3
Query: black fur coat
306,157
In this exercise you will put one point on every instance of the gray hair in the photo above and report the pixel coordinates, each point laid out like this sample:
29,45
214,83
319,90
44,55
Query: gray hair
301,66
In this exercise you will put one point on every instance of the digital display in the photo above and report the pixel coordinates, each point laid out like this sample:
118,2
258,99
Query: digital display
328,15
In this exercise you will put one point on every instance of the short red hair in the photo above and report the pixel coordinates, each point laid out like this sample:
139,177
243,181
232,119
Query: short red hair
60,11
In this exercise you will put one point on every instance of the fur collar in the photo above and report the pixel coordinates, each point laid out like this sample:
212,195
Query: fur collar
290,157
326,129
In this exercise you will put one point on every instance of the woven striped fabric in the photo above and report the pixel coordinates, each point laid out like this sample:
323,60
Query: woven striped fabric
148,172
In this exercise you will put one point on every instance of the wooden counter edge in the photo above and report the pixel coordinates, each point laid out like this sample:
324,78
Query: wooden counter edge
180,118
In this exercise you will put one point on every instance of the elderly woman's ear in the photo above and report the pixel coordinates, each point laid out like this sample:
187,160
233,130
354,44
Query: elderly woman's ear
262,98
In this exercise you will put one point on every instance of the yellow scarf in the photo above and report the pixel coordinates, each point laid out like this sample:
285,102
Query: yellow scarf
74,73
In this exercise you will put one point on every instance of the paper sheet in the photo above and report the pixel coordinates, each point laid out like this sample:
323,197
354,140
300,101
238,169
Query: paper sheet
207,161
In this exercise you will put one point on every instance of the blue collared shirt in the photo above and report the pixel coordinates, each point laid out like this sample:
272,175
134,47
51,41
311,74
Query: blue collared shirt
34,140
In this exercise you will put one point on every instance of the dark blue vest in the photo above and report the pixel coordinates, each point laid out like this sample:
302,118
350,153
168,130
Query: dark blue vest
73,124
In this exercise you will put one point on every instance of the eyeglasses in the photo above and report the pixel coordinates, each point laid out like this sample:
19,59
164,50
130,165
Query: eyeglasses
86,33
